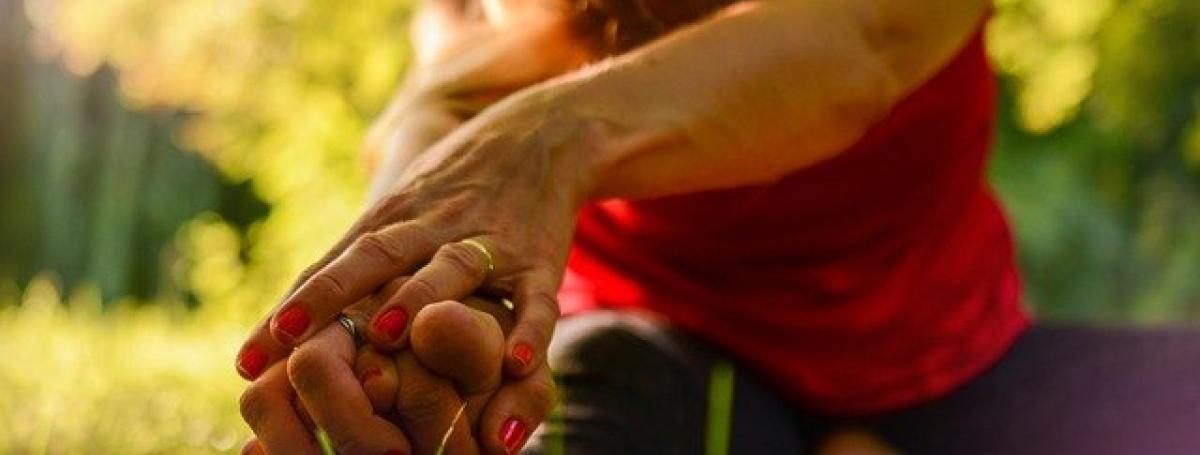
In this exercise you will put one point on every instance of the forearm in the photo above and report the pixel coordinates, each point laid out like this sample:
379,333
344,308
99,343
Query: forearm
461,66
402,135
756,92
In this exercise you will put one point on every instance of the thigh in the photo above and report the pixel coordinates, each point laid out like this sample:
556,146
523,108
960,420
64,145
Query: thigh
1069,390
631,385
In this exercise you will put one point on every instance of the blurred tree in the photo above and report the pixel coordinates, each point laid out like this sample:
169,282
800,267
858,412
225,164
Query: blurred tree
279,93
1098,153
90,189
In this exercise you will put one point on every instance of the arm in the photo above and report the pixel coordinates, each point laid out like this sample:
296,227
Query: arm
466,57
719,104
771,86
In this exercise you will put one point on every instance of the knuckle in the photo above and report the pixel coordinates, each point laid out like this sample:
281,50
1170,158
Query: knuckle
543,393
421,401
310,271
330,284
423,290
541,313
379,246
451,209
457,207
464,259
394,204
254,404
303,366
421,235
544,299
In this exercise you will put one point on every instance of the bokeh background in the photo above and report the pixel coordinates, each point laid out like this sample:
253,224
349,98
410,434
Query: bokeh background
166,167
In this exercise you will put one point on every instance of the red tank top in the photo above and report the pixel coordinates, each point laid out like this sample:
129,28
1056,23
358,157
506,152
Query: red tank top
879,278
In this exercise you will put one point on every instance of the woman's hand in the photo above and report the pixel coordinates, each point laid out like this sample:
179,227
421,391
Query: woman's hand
467,56
417,394
510,181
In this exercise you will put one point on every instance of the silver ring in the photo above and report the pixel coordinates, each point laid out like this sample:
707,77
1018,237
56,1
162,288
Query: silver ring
351,328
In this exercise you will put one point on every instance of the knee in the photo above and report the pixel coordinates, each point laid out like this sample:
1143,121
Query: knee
625,349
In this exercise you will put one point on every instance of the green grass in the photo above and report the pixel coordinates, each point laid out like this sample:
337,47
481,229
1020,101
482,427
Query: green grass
148,380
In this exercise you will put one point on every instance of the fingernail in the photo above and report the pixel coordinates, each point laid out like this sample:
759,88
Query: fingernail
251,362
523,353
369,375
293,321
512,433
391,323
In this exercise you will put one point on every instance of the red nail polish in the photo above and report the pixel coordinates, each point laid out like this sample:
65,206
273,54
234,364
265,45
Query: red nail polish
293,321
369,375
512,434
251,362
391,323
523,353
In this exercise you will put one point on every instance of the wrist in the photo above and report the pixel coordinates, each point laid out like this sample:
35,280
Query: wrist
581,147
578,146
401,134
610,136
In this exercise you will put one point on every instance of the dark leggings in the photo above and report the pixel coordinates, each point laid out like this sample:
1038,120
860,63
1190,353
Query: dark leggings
631,386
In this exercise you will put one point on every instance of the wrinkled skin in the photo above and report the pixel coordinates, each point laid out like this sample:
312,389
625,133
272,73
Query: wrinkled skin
370,402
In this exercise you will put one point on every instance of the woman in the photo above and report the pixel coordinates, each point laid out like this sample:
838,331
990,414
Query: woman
796,185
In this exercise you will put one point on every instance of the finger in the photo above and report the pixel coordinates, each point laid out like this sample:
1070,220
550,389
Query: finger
366,265
266,406
320,370
536,315
516,410
456,270
259,352
302,412
377,374
263,350
461,344
428,406
501,315
360,313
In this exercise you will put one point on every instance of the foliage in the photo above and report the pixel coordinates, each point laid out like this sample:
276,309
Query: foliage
280,93
150,379
1097,157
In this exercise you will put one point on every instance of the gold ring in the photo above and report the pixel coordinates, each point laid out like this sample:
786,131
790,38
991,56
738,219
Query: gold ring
491,264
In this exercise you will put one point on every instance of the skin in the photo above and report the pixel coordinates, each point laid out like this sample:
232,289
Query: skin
800,81
447,86
370,402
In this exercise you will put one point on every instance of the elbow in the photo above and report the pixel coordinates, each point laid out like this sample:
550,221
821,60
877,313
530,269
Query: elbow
870,92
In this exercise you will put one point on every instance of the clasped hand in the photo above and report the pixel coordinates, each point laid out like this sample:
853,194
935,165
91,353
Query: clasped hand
486,210
447,391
